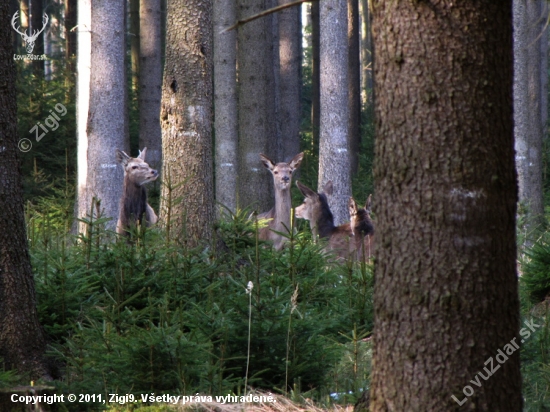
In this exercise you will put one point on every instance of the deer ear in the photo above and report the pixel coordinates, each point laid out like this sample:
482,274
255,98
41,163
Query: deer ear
142,154
268,163
122,157
328,188
306,191
352,207
296,160
368,203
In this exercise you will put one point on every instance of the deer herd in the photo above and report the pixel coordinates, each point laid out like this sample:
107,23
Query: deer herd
353,240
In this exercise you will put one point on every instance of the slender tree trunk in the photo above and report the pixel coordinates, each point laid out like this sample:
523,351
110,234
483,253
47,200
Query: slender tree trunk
22,341
530,111
186,120
150,81
354,80
107,127
334,153
36,24
70,36
135,39
367,53
315,77
225,104
83,64
446,297
257,109
290,63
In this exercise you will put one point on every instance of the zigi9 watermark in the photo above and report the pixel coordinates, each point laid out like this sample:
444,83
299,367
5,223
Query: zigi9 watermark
40,130
501,357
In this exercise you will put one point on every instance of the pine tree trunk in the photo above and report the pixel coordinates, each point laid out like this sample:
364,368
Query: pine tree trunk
70,36
315,77
334,153
36,24
290,62
225,104
257,108
22,342
107,127
354,80
446,297
16,38
83,63
530,111
186,120
134,41
367,54
150,81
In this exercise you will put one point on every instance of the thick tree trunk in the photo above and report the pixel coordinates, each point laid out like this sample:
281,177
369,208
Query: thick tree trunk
83,63
22,342
446,298
186,121
16,38
290,63
354,81
225,104
107,127
530,109
257,108
150,81
334,153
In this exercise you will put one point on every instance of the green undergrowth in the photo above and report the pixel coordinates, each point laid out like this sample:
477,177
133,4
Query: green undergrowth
153,316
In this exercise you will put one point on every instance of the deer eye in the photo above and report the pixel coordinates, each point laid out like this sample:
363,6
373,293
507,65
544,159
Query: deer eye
134,167
275,173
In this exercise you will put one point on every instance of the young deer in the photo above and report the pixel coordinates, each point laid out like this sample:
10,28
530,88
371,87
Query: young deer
315,209
362,227
133,203
279,215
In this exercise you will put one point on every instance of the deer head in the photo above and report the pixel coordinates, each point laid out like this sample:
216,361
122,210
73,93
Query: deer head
360,220
135,168
29,39
314,202
282,172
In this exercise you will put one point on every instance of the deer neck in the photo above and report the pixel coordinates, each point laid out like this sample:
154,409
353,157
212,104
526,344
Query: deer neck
282,207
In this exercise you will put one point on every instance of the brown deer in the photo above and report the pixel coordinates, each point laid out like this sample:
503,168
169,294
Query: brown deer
315,209
279,215
133,204
362,227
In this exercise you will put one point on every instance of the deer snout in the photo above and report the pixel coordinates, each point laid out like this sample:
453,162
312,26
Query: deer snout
154,172
286,179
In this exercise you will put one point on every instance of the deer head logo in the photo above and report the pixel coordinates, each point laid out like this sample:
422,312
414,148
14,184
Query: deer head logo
29,39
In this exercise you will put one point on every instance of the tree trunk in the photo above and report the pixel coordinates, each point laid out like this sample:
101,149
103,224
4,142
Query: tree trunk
225,104
366,54
135,41
290,63
22,342
36,24
530,111
446,298
315,77
186,121
16,38
70,36
106,127
150,81
354,80
83,63
257,109
334,153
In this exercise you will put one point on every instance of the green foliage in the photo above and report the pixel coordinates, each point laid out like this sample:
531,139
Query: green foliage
152,316
536,269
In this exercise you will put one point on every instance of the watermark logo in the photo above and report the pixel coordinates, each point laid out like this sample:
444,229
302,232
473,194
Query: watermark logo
29,39
40,130
501,357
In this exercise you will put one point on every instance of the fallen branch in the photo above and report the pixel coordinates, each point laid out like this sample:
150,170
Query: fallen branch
265,13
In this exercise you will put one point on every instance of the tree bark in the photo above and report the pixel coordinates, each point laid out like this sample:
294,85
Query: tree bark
225,104
446,297
315,77
107,129
367,54
334,152
70,36
186,120
150,81
290,63
83,63
530,109
354,84
22,341
135,38
257,108
36,24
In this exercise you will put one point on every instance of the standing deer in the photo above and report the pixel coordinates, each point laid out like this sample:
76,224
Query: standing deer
279,215
362,227
30,40
315,209
133,204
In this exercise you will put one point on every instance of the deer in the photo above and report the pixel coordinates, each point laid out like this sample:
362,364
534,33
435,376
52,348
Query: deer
29,40
133,203
362,228
279,215
316,209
